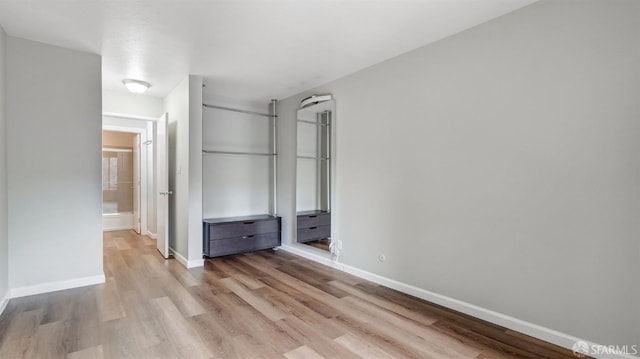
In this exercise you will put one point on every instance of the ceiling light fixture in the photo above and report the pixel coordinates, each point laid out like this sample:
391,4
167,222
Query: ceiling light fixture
136,86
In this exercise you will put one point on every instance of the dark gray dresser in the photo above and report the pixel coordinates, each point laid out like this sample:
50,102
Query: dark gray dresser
232,235
313,225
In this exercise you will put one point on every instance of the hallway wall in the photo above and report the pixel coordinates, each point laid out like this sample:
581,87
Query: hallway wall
54,127
4,233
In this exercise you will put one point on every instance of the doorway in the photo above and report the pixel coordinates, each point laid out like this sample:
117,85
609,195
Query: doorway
127,175
120,181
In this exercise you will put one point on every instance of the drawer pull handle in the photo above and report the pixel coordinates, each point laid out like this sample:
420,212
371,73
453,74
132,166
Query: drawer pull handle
310,228
313,216
248,222
250,236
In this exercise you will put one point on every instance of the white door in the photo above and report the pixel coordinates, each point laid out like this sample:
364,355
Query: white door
136,183
162,197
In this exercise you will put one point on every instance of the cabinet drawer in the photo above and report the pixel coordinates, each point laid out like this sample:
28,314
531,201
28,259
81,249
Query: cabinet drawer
223,247
313,233
242,228
314,220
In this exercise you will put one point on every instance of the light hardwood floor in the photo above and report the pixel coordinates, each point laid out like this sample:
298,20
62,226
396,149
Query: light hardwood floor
268,304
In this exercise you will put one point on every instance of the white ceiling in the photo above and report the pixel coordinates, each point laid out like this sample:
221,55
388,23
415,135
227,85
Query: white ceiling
245,49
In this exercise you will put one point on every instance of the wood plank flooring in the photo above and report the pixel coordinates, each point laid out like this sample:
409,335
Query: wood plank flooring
268,304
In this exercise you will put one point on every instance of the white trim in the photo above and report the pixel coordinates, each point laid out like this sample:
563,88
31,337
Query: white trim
131,117
4,302
117,221
193,263
109,149
145,179
111,229
187,263
152,235
179,257
534,330
56,286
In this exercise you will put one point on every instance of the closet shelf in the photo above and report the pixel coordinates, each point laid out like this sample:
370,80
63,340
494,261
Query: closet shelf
314,123
239,110
315,158
239,153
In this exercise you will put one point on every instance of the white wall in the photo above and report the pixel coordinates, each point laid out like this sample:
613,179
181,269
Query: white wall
500,167
184,108
4,258
54,164
127,103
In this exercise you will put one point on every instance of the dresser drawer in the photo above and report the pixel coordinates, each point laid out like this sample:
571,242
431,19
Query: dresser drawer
313,233
314,220
223,247
242,228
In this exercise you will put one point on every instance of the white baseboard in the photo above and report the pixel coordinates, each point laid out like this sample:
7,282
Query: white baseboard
549,335
56,286
152,235
192,263
117,221
179,257
4,301
187,263
111,229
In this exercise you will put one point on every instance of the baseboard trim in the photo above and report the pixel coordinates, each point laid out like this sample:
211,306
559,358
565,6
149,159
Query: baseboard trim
56,286
111,229
187,263
193,263
549,335
4,302
179,257
152,235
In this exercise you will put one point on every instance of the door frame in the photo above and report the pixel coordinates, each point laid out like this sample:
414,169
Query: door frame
144,175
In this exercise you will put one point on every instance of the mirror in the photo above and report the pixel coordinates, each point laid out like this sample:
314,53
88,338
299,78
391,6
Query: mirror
314,174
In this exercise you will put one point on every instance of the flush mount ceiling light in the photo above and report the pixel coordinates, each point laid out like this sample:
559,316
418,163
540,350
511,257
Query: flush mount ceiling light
136,86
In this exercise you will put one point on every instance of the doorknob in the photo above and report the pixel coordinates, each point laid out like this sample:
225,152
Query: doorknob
166,193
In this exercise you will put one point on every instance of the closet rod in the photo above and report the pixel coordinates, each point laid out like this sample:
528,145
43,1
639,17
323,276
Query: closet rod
238,110
239,153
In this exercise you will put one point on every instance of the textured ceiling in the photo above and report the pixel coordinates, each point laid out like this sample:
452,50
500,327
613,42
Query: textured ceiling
246,50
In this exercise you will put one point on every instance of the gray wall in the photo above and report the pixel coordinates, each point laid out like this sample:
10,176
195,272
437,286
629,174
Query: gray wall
195,169
176,105
54,163
4,256
500,167
184,108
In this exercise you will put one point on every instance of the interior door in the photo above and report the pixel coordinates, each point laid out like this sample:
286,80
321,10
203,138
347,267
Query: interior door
136,183
162,197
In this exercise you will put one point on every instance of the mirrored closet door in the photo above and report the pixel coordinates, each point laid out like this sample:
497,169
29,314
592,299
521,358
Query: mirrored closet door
314,174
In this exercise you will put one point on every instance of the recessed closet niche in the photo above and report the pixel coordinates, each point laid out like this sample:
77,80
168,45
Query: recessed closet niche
239,180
